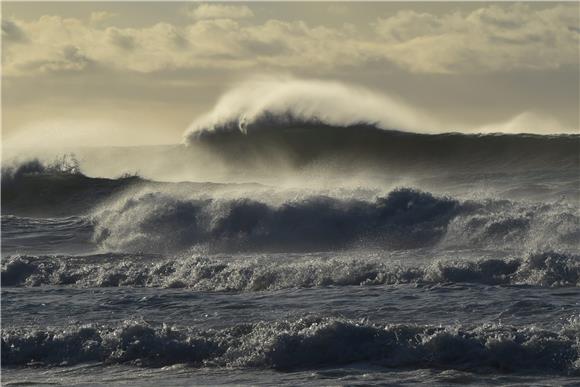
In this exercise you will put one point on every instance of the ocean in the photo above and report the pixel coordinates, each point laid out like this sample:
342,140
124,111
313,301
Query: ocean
309,254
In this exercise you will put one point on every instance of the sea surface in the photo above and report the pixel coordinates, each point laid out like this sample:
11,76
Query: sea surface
356,256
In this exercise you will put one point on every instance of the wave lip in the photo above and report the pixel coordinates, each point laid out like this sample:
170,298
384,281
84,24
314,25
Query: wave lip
301,344
547,269
326,102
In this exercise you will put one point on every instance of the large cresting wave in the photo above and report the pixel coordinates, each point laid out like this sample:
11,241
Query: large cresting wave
327,102
270,124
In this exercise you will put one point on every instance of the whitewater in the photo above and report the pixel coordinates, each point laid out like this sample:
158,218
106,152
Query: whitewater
305,233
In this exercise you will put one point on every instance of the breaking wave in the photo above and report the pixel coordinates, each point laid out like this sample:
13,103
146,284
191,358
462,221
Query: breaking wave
278,142
301,344
338,104
172,222
272,123
67,164
403,219
154,221
548,269
331,103
262,221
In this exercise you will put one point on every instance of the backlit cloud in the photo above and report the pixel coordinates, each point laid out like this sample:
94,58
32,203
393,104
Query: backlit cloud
491,38
488,39
219,11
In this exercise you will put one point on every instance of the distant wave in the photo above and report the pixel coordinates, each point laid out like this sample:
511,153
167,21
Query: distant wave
325,102
337,104
270,122
301,344
278,141
59,188
67,164
549,269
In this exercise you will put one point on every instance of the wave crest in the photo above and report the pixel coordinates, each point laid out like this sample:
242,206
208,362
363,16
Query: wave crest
549,269
326,102
301,344
403,219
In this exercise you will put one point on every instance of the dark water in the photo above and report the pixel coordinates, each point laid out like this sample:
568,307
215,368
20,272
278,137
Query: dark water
470,276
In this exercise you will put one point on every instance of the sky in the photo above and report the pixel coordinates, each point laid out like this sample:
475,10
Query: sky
134,73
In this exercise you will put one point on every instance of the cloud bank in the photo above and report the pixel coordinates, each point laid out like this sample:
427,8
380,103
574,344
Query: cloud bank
491,38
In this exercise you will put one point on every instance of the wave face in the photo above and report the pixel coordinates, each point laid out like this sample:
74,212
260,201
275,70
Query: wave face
302,344
548,269
281,124
289,142
403,219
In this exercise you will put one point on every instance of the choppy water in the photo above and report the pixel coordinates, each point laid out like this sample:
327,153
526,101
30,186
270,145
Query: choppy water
135,282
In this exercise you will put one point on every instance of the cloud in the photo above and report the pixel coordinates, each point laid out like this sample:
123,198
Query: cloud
489,39
492,38
101,17
122,39
218,11
12,33
407,25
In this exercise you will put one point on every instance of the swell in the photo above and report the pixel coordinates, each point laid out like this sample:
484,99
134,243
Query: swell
271,140
549,269
46,235
301,344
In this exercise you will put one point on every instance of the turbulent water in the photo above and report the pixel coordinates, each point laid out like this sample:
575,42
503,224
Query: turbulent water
347,255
